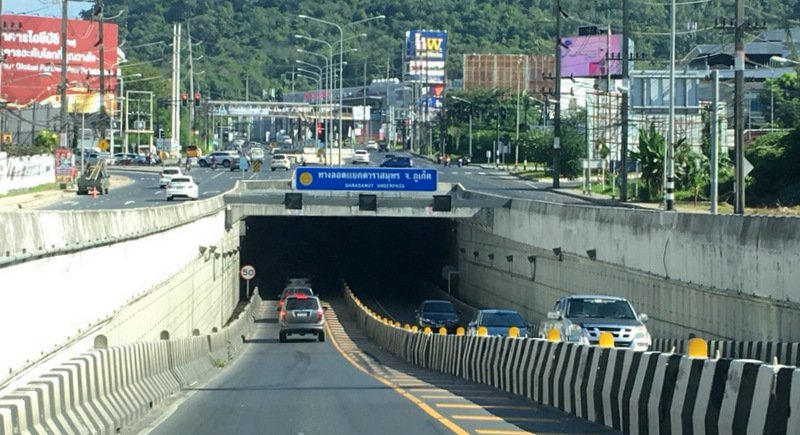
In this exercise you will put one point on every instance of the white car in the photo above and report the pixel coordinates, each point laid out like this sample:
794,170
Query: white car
182,186
280,161
372,145
256,154
360,156
167,174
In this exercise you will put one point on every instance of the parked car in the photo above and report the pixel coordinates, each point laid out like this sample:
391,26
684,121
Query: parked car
223,158
302,315
124,158
182,186
398,162
167,174
280,161
581,319
360,156
237,163
437,314
372,145
497,322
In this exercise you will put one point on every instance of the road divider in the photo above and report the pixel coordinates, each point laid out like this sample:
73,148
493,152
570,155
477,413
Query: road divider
633,392
103,390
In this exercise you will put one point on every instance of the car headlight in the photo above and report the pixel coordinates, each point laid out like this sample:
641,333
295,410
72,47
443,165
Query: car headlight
575,333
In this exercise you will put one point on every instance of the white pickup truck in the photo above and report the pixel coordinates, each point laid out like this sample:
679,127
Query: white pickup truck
581,319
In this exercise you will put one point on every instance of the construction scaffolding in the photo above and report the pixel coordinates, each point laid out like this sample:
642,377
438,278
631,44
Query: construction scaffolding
506,71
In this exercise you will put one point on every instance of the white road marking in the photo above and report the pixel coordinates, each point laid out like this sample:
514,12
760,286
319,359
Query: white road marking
532,184
129,202
70,202
467,173
481,173
211,192
157,193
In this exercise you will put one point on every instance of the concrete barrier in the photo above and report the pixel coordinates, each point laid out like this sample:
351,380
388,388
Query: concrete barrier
765,351
104,390
633,392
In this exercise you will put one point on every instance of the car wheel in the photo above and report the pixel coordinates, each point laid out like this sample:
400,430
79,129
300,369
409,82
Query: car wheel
169,198
226,163
281,337
106,191
272,169
321,336
202,163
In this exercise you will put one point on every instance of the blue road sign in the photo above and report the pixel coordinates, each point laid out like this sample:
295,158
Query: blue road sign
369,179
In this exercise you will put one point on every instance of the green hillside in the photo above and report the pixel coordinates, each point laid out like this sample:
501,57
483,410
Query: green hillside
252,41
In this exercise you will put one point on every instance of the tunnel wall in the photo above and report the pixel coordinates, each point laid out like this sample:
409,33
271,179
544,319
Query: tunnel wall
128,291
727,276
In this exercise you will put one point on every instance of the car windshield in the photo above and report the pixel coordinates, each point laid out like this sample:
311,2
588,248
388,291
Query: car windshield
298,290
301,304
171,171
504,319
438,307
278,157
180,180
601,308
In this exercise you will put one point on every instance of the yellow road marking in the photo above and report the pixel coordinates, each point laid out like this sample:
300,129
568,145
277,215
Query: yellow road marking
422,405
502,432
474,406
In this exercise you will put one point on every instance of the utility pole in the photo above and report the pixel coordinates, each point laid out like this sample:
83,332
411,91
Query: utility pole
557,122
191,82
714,124
623,188
176,86
738,66
64,121
669,162
101,47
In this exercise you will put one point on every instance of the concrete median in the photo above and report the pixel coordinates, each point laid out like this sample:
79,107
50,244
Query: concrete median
634,392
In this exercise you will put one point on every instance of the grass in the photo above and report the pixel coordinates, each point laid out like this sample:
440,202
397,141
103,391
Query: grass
220,363
42,188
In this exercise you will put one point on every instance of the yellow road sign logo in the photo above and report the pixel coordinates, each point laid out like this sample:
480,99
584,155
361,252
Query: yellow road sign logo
306,178
8,138
104,145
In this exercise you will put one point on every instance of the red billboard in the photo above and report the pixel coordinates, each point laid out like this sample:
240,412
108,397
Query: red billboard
31,72
591,56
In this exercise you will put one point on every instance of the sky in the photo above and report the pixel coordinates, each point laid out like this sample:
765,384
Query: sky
45,8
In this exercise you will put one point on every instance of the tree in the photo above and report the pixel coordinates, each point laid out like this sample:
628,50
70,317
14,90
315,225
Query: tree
775,178
45,142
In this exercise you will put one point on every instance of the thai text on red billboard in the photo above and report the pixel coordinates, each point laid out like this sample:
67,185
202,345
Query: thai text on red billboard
32,69
591,56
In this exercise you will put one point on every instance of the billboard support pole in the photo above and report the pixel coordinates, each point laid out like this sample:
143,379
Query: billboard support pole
101,47
623,187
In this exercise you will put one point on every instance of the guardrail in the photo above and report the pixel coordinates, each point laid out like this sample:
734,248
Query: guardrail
634,392
765,351
104,390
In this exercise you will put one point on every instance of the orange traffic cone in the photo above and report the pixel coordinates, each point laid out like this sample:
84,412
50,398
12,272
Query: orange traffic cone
94,192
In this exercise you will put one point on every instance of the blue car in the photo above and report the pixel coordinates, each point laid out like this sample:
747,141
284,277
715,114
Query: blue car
497,322
398,162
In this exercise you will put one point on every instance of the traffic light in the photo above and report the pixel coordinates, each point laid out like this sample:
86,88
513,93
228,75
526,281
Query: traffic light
197,99
161,133
185,99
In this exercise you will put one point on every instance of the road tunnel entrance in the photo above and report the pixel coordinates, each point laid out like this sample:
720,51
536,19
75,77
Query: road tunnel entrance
385,255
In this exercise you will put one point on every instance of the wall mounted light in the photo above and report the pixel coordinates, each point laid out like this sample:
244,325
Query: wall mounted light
367,202
475,254
212,248
442,203
531,258
202,249
462,250
557,252
592,253
491,256
509,258
293,201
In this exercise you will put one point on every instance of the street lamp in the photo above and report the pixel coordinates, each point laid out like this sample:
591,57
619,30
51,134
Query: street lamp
341,60
329,85
470,122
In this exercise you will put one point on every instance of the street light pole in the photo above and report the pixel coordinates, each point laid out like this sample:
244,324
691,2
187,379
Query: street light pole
341,66
63,85
470,123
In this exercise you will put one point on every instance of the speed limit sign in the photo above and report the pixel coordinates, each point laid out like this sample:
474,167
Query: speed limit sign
247,272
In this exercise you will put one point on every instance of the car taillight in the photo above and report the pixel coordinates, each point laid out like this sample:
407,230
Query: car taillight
319,315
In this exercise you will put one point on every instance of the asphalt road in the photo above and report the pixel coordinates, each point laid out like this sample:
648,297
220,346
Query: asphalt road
345,386
143,190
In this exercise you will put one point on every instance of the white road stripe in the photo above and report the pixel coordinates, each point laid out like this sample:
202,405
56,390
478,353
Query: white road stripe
129,202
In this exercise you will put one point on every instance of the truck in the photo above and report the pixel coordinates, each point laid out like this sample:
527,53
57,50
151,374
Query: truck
95,177
582,318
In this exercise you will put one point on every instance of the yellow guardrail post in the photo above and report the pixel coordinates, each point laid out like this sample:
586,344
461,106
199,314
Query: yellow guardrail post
427,330
697,348
442,331
482,331
460,330
554,335
513,332
414,328
606,340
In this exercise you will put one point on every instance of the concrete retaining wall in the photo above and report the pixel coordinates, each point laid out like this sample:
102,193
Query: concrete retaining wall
637,393
128,291
535,278
102,391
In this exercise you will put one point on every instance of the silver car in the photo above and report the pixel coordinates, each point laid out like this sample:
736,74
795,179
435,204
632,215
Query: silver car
301,315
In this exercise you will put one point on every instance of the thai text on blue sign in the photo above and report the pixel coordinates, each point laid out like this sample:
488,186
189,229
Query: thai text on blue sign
369,179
